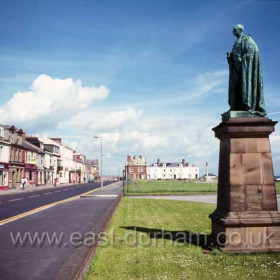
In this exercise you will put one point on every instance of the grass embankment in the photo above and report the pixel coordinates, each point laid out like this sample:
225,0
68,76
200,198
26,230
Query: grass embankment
163,187
162,258
169,187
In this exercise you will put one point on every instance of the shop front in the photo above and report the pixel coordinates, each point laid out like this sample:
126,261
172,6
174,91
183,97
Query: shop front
4,177
31,174
16,173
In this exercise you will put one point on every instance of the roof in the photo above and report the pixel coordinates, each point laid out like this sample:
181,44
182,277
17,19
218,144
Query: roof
31,147
92,161
210,174
49,141
172,164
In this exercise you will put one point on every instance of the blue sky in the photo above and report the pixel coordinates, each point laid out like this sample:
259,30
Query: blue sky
161,63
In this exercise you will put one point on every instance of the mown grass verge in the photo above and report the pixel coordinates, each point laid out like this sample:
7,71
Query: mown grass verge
169,187
160,257
173,187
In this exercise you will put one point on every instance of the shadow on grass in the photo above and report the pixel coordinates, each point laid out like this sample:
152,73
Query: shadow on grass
186,237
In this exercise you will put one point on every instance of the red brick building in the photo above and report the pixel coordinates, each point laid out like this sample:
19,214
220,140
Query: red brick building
136,168
17,155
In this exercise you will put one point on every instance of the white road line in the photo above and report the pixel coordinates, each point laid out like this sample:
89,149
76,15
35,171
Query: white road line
99,195
65,190
34,195
57,191
47,193
16,199
0,202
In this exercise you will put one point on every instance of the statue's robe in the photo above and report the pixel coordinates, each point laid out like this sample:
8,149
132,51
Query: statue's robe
246,79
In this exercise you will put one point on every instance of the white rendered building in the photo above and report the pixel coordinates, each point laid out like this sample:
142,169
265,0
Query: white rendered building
172,171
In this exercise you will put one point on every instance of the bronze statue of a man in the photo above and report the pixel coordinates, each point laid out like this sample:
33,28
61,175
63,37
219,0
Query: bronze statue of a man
245,75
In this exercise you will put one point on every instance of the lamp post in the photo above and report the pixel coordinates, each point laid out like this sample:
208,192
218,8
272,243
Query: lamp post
101,158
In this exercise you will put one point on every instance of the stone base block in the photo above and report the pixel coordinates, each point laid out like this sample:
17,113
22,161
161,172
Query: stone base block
246,239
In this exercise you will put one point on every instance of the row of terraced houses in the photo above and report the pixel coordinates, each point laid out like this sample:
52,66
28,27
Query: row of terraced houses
137,168
43,161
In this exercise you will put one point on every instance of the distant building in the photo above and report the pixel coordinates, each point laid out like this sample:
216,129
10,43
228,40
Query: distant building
17,155
92,170
5,147
172,171
136,167
80,168
34,164
51,157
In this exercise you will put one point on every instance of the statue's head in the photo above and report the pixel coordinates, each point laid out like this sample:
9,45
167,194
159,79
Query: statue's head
238,30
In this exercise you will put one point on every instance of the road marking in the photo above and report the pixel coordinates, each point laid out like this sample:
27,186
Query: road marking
57,191
99,195
47,193
16,199
65,190
0,202
34,195
39,209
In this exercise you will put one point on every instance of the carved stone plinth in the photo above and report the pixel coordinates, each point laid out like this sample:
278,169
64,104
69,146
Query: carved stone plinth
246,218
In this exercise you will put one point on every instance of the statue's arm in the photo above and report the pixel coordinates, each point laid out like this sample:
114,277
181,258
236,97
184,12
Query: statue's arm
230,59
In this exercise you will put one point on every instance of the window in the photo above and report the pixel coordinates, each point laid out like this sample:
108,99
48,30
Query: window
12,155
130,169
20,156
1,178
16,155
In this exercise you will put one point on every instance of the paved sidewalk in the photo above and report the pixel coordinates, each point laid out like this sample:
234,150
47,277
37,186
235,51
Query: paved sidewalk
36,188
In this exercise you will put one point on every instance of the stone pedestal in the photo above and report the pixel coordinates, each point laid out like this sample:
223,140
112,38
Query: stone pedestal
246,218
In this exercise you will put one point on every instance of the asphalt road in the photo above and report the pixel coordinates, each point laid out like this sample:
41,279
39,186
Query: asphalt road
57,260
14,204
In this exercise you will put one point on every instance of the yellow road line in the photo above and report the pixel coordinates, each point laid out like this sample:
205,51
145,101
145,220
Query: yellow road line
39,209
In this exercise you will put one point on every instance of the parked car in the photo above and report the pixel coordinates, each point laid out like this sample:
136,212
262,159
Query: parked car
91,180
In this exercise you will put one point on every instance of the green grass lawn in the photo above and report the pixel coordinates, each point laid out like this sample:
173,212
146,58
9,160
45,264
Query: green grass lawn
162,258
169,187
173,187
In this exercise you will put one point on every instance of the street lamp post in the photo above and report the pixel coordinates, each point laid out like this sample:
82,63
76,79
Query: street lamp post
101,160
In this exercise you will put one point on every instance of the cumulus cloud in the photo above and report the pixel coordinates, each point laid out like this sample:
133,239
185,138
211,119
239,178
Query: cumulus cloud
49,101
132,131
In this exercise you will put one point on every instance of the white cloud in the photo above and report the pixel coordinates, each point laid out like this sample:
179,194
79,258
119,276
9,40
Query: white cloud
131,131
49,101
